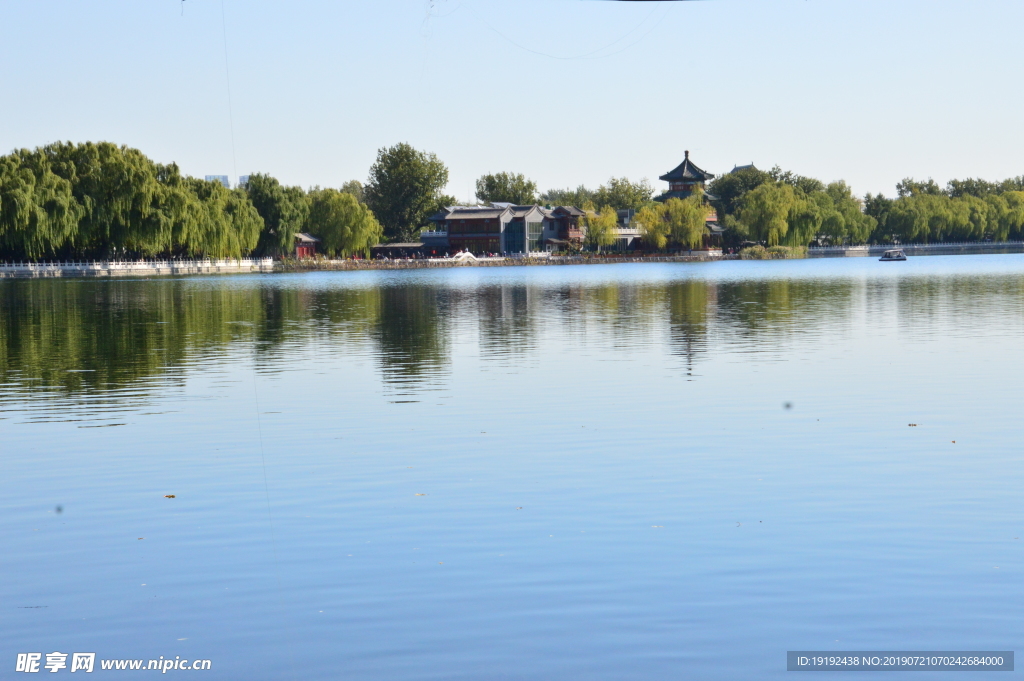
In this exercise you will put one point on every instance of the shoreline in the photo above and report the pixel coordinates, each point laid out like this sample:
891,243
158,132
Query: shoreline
157,268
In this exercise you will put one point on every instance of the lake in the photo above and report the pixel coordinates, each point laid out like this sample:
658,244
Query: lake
649,471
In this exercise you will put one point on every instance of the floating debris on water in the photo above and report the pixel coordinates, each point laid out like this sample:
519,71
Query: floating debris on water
169,496
420,494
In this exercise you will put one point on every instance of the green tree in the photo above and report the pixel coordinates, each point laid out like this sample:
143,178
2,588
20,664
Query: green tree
653,222
39,213
284,211
911,187
728,189
344,225
355,188
600,226
578,197
764,212
404,189
687,219
622,194
506,187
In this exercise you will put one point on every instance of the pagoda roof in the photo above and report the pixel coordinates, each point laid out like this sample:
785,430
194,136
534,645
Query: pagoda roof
687,172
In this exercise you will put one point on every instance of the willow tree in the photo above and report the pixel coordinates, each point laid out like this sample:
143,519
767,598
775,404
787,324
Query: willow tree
764,212
344,225
653,222
687,219
600,226
284,211
228,226
38,211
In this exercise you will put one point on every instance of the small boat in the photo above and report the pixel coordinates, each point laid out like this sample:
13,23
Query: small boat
893,255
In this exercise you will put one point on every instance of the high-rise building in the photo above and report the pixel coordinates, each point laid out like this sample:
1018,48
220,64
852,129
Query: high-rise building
223,179
243,180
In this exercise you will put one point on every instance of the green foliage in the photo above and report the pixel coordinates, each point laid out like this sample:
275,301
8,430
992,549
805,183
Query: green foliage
910,187
506,187
404,189
759,252
344,225
355,188
578,197
600,226
622,194
731,187
284,211
653,222
781,207
102,200
38,211
619,193
764,212
968,210
687,219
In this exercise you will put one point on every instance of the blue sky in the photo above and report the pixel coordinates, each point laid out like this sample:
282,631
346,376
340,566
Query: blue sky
565,91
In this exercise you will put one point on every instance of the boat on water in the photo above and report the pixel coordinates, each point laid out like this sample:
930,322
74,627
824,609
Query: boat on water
894,255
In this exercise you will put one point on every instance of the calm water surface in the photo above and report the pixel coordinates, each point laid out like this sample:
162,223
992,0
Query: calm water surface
670,471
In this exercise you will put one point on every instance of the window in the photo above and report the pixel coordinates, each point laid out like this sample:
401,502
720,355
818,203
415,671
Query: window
535,232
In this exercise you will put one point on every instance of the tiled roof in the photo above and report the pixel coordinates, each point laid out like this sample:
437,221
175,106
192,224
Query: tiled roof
686,171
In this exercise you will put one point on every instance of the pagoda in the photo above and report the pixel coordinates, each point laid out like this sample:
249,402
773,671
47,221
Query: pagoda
683,180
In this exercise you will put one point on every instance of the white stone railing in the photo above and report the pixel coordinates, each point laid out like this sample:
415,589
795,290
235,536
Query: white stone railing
116,268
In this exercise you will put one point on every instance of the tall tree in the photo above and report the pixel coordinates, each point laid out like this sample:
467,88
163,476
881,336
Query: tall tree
404,189
506,187
284,211
731,187
601,226
653,222
344,225
623,194
578,197
355,188
687,219
764,212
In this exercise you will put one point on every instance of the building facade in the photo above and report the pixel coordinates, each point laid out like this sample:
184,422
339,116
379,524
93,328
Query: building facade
504,228
305,245
223,179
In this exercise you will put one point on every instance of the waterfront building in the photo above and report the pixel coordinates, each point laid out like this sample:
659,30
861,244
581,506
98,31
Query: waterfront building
506,228
223,179
683,181
305,245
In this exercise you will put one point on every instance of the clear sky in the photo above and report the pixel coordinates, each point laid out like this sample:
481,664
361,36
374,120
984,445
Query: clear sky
566,91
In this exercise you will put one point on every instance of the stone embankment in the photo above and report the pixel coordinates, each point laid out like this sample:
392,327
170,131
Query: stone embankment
132,268
968,248
433,263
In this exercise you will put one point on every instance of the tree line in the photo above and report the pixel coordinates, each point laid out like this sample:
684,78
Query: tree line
101,200
67,200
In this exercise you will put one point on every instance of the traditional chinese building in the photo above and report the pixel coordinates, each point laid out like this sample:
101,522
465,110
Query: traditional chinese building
684,179
305,245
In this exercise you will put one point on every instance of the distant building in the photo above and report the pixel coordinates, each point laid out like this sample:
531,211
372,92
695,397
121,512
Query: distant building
243,180
223,179
684,179
505,228
305,245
